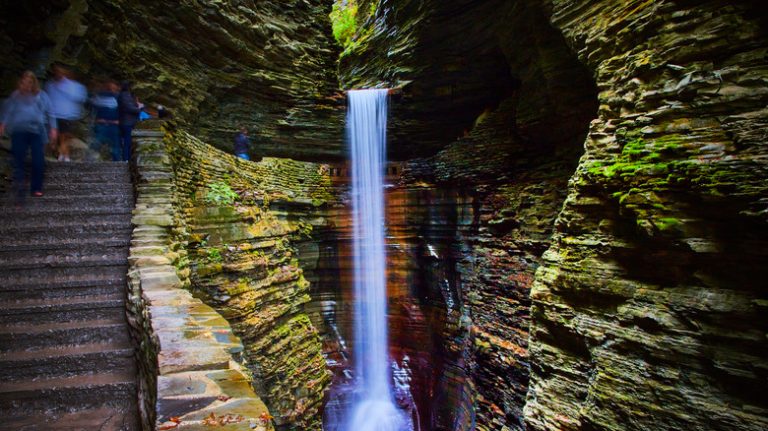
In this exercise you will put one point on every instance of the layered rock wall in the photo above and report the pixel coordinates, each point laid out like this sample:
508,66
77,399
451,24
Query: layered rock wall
191,371
237,222
498,107
649,312
457,62
493,257
268,65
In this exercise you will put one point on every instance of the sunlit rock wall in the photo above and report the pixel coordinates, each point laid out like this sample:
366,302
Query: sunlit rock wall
650,310
269,65
240,224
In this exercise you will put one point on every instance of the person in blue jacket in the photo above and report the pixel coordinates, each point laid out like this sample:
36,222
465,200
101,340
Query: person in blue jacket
67,98
242,144
129,108
106,127
27,117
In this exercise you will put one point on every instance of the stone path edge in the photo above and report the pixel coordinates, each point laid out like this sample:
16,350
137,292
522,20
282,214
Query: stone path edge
190,371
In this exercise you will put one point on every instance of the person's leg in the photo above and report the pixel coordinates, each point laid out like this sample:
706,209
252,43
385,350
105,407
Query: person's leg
65,135
125,132
19,146
97,141
38,163
112,136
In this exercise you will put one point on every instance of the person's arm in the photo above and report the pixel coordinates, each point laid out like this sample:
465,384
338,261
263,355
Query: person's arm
81,93
5,113
129,103
53,127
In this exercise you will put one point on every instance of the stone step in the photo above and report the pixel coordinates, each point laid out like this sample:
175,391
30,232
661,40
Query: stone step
78,164
78,257
24,311
51,293
84,167
47,335
123,417
65,224
87,176
34,208
57,240
68,394
88,188
70,200
65,361
52,279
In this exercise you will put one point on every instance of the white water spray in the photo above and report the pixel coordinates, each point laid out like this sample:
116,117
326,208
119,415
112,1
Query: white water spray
373,409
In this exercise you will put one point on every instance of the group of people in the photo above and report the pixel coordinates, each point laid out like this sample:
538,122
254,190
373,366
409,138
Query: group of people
34,117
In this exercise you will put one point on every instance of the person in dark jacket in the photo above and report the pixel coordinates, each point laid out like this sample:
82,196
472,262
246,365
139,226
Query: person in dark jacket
106,128
242,144
129,108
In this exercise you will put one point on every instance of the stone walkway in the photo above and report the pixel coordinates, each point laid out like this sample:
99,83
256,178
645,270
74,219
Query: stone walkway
66,360
73,264
200,382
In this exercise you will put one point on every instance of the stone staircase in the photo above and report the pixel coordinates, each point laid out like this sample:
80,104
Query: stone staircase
66,360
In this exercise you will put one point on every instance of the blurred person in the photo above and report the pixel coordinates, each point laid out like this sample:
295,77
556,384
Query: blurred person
106,126
129,108
28,118
162,112
242,144
67,97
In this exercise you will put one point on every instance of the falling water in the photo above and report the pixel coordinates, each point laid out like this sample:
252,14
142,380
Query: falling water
373,408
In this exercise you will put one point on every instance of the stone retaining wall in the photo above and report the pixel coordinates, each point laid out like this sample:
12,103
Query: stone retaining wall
218,228
189,360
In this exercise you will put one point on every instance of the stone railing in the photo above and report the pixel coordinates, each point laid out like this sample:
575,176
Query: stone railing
189,359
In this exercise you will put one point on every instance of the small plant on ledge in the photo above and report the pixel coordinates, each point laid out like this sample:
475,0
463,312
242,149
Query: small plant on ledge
221,193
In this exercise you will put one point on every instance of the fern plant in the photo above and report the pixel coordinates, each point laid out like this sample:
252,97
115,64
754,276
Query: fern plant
220,193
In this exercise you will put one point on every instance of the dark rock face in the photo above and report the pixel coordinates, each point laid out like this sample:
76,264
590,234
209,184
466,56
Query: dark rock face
459,61
649,312
648,309
267,65
501,79
425,330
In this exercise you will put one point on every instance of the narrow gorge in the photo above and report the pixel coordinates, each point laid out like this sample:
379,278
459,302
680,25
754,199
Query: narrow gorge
575,205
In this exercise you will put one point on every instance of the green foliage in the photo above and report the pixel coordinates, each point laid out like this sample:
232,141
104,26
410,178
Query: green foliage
667,223
221,193
214,255
640,155
343,18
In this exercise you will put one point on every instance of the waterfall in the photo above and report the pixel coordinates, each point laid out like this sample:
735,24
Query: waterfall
373,408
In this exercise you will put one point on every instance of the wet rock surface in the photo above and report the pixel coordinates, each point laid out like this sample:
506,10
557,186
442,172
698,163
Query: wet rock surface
235,223
647,310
